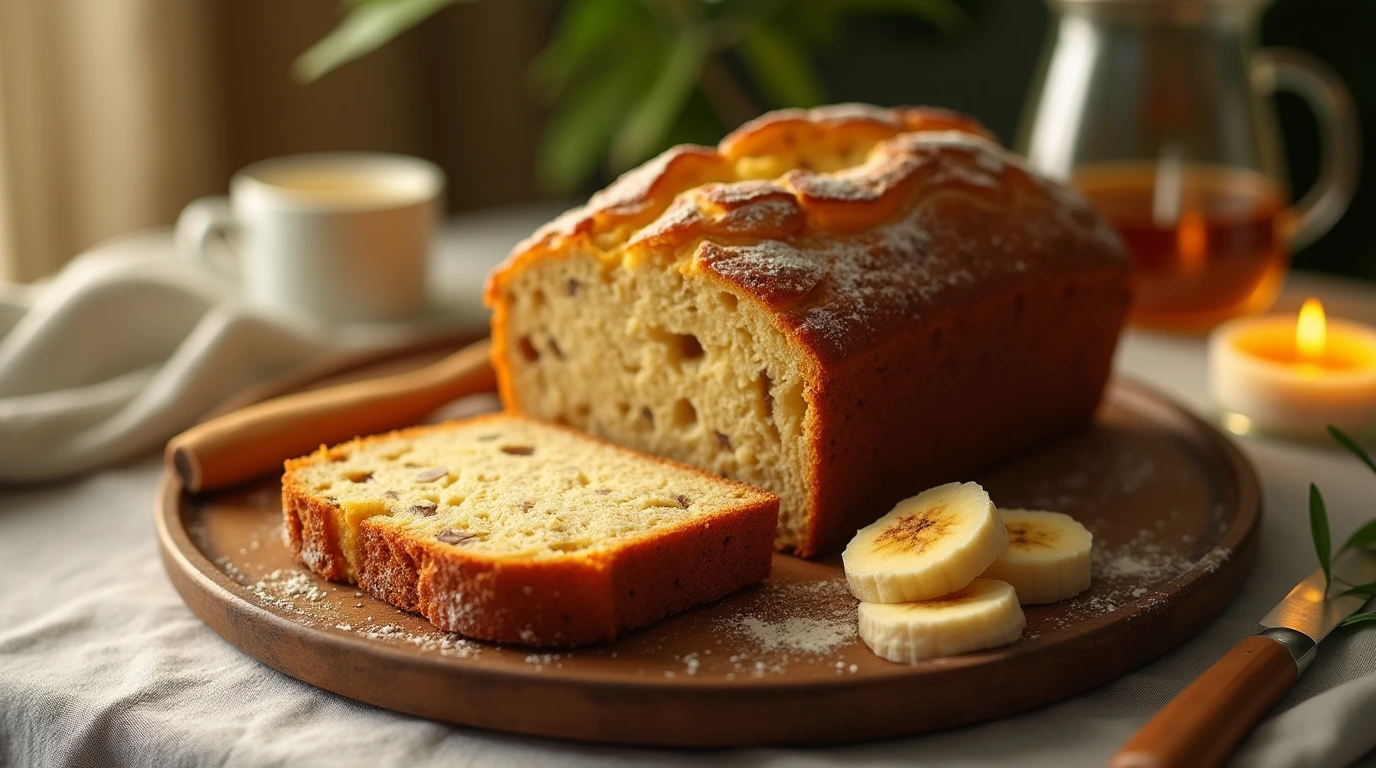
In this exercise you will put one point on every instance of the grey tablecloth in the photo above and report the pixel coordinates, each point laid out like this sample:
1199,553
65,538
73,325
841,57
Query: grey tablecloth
101,664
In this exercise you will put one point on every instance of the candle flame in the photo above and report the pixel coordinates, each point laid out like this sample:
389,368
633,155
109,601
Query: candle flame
1311,332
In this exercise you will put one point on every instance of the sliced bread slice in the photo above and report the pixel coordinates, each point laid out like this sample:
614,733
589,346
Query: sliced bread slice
507,529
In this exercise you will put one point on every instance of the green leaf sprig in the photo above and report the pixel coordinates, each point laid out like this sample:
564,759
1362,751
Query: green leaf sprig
1318,526
369,25
1364,537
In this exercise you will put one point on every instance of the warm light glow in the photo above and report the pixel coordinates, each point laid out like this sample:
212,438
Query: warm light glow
1192,241
1237,423
1311,332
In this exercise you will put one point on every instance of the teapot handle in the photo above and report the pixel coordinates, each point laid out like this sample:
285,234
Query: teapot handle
1275,69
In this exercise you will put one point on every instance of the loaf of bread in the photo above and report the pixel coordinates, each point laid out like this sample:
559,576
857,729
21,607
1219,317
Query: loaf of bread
505,529
843,306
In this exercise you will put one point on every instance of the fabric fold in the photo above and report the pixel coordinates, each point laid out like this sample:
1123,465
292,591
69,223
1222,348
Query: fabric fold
1329,730
129,345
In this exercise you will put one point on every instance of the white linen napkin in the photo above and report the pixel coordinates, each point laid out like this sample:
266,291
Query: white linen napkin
130,344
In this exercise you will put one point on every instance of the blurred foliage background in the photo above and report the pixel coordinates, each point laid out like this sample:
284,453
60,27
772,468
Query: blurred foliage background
626,78
127,111
623,79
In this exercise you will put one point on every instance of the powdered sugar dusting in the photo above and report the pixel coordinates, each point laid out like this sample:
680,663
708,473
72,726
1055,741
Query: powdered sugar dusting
891,275
1142,558
743,192
760,216
285,588
807,622
312,601
837,188
773,270
1133,573
680,216
805,635
542,660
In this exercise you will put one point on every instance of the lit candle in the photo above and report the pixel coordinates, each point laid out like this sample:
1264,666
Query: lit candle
1292,375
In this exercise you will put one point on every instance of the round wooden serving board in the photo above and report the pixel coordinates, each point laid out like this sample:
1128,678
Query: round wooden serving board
1173,506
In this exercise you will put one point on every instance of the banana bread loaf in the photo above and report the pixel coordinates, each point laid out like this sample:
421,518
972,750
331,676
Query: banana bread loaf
843,306
505,529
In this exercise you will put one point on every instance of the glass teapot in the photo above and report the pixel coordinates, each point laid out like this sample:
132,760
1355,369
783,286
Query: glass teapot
1158,112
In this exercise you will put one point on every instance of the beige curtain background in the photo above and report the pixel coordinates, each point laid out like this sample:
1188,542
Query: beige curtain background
116,113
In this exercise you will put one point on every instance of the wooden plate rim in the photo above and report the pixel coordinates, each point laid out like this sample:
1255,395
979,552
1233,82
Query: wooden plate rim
215,598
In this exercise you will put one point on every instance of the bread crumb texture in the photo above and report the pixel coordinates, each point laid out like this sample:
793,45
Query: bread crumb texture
467,512
750,308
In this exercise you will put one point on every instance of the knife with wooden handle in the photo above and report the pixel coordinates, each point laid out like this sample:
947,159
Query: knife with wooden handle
1201,727
254,441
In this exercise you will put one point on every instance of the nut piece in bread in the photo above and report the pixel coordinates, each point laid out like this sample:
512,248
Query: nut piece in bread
505,529
843,306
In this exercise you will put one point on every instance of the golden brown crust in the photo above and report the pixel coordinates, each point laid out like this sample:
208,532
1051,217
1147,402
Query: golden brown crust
845,258
569,601
312,533
637,198
933,232
954,396
837,124
560,601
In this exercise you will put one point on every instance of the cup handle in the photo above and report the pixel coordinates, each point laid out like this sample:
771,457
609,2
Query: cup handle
1275,69
197,223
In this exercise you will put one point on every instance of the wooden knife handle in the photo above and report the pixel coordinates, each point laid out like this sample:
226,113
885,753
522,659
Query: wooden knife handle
254,441
1201,726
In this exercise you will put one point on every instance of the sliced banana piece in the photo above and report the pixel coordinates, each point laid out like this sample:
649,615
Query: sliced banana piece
984,614
929,545
1048,556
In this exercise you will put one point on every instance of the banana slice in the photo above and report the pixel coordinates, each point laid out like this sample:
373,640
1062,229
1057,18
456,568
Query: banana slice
984,614
930,545
1048,556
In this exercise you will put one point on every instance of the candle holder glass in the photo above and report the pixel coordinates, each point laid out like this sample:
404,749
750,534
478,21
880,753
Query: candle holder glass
1264,383
1157,111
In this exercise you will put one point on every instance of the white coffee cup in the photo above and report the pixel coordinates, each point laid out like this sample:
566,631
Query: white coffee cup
330,236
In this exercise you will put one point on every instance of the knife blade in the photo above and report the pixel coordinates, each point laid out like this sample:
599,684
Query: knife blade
1202,725
1305,610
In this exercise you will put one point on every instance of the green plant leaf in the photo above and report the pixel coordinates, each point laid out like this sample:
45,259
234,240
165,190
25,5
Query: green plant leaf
1358,618
644,128
576,135
1352,445
781,68
1362,537
1318,526
586,28
1364,590
366,27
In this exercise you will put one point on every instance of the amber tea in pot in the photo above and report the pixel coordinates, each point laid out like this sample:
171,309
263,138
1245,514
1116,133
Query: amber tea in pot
1157,111
1215,246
